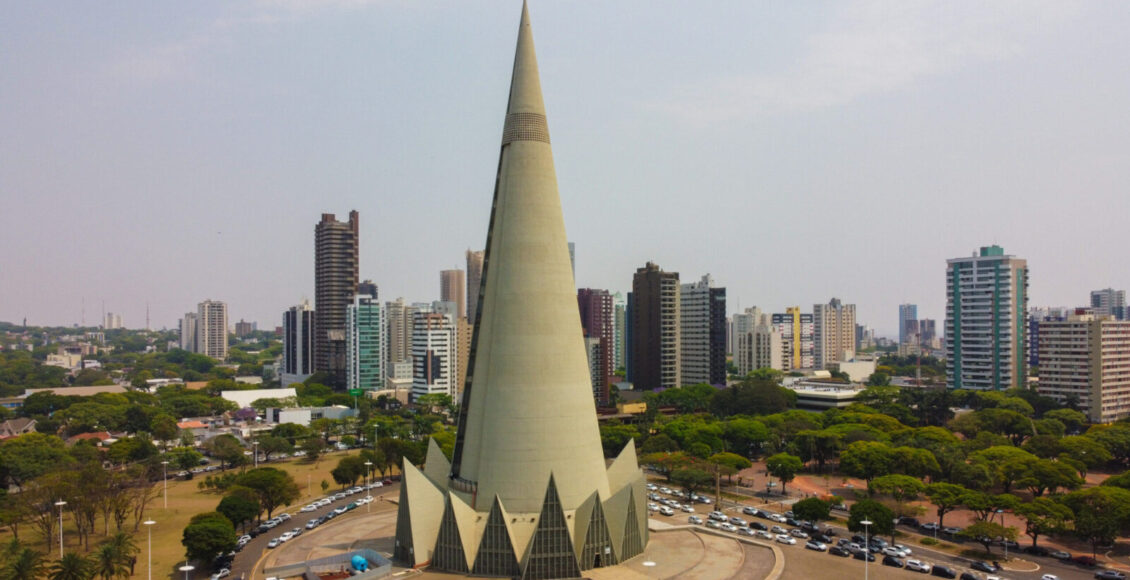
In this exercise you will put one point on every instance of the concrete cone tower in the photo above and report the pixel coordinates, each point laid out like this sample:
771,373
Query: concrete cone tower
528,445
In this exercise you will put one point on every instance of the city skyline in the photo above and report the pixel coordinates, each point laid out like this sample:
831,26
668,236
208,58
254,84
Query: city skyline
129,133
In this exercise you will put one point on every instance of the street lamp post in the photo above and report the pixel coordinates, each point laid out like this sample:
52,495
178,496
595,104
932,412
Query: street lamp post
186,569
368,490
255,446
165,467
60,504
866,548
149,526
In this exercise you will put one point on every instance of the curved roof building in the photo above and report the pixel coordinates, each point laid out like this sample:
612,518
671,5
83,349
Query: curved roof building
527,492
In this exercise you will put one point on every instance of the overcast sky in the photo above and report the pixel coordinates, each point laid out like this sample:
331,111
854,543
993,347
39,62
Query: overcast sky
168,152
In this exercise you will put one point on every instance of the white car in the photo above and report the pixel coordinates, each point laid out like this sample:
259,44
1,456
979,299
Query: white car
666,511
285,537
274,543
283,517
745,532
222,573
763,534
652,487
1049,577
325,501
308,508
905,551
652,507
917,566
312,524
778,518
784,539
713,524
729,527
688,508
694,520
717,515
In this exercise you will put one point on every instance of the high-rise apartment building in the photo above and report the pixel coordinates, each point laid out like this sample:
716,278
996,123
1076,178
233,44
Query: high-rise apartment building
1086,358
654,327
757,343
594,350
619,331
798,343
597,322
244,328
833,332
434,367
399,316
1109,302
452,286
986,320
474,281
111,321
298,344
212,329
188,332
907,314
336,257
365,343
702,320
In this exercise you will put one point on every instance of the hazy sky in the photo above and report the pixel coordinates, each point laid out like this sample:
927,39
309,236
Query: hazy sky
175,151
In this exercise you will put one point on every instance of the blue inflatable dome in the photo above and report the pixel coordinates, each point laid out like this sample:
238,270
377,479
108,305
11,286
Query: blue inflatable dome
360,563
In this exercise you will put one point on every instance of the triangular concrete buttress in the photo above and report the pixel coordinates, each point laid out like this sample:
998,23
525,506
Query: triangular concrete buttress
551,553
496,555
449,554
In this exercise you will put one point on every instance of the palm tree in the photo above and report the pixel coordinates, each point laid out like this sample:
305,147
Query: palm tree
71,567
126,549
108,565
27,564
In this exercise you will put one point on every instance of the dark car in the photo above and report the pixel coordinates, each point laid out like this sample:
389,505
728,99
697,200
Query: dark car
838,551
1110,575
858,539
864,556
893,561
1009,544
969,576
822,538
758,526
253,532
983,566
829,531
792,522
1036,550
1085,561
908,521
943,571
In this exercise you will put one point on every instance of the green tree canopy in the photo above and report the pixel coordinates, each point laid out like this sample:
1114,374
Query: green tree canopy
946,497
208,534
986,532
881,517
1044,516
273,486
784,467
812,509
867,459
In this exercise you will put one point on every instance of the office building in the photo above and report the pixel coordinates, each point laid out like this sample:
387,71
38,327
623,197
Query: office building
366,351
596,360
434,352
527,493
1109,302
908,314
452,287
212,329
111,321
798,343
833,332
1085,358
298,344
597,322
336,256
474,281
702,321
399,317
656,329
986,321
619,331
188,332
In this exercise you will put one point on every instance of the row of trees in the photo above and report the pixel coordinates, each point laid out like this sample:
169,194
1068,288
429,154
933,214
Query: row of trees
114,559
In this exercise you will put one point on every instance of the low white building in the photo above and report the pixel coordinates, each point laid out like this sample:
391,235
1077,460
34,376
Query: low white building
245,398
305,415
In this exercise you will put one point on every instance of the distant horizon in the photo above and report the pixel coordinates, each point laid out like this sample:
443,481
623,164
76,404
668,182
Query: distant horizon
165,154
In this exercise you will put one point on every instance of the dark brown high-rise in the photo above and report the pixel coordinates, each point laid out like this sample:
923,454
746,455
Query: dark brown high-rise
596,321
655,329
336,256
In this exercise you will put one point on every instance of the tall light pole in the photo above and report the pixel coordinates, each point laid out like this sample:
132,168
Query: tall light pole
186,569
368,490
149,526
255,446
60,505
866,548
165,467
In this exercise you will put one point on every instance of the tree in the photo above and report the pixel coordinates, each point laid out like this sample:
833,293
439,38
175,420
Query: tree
732,463
274,487
986,533
1044,516
227,449
1072,420
812,509
752,397
614,436
1100,514
208,534
691,478
25,564
183,458
348,470
291,432
239,509
114,558
31,455
784,467
269,444
867,459
946,497
657,443
72,566
881,517
313,447
1121,480
985,505
901,488
164,428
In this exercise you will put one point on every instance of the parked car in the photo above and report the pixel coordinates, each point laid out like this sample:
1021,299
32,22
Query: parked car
738,521
893,561
969,576
862,555
918,566
729,527
717,515
758,526
796,533
274,543
951,530
930,527
943,571
1085,561
745,532
283,517
695,520
1036,550
687,508
785,539
312,524
1060,555
778,530
838,551
763,534
822,538
308,508
982,566
749,511
223,573
1049,577
909,521
664,510
817,546
1110,575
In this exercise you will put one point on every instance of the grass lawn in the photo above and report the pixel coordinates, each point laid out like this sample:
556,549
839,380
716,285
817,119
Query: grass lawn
185,501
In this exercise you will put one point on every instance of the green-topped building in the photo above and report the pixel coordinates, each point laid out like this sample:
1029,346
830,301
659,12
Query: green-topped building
986,330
